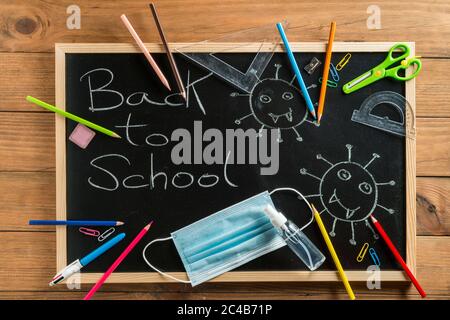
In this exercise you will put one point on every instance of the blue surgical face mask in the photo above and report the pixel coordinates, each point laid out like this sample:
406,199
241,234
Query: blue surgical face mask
225,240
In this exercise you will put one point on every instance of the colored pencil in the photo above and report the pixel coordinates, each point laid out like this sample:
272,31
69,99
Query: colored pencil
144,50
75,223
333,254
294,66
116,263
326,70
72,117
172,62
78,264
397,255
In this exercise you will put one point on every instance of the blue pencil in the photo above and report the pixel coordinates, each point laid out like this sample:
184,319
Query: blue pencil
77,265
294,66
75,223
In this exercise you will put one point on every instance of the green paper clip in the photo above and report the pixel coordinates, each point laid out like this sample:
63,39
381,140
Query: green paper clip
330,83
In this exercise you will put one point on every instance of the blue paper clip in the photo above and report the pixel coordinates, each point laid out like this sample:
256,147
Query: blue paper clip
330,83
374,256
334,73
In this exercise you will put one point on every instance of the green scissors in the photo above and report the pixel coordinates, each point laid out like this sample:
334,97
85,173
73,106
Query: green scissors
380,71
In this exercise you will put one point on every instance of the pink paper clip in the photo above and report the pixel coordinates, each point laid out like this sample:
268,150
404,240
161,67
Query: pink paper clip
89,232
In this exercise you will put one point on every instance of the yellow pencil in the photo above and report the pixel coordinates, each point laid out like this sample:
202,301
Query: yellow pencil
333,254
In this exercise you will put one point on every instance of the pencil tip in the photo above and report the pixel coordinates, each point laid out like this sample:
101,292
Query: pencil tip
115,135
149,225
313,113
373,218
183,94
119,223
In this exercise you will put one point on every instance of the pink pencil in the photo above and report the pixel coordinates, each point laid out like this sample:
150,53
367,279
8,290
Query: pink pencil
116,263
144,50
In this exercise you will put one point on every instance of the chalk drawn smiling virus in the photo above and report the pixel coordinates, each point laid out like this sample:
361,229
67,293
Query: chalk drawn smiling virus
349,192
276,104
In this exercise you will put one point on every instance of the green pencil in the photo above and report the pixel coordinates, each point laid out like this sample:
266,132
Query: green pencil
72,117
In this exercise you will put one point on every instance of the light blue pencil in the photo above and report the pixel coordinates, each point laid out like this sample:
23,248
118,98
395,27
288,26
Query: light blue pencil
294,66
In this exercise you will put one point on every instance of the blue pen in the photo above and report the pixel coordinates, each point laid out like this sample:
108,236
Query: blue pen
76,266
294,66
75,223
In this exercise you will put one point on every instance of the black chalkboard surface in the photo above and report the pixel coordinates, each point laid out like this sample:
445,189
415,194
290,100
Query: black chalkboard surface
112,178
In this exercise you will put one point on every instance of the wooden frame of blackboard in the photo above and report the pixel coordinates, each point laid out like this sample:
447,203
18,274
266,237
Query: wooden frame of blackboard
260,276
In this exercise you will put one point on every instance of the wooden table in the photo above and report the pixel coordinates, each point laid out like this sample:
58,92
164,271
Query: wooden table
28,31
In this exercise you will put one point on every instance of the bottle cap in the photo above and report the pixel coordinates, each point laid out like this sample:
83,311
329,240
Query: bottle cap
276,217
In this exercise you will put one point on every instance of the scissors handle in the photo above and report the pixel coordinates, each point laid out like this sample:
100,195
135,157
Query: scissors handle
390,60
393,72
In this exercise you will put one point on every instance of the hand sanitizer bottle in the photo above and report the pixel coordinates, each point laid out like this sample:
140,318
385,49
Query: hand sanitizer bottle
295,239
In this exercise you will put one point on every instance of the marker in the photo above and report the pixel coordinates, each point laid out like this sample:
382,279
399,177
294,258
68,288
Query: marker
72,117
397,255
77,223
294,66
76,266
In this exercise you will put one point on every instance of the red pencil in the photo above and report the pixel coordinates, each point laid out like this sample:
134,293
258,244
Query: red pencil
397,256
117,262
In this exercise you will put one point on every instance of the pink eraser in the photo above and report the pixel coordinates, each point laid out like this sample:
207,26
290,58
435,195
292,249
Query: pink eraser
81,136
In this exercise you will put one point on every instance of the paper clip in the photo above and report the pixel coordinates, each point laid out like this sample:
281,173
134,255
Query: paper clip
374,256
89,232
343,62
330,83
106,234
334,73
363,252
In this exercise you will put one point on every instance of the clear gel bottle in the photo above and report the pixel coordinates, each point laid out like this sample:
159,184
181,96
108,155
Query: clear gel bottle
295,239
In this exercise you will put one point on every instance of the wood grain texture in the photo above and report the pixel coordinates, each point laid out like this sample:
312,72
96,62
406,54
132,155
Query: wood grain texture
27,141
20,250
433,206
433,147
37,73
35,26
25,196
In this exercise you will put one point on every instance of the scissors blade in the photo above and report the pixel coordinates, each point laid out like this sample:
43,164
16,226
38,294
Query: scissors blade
357,83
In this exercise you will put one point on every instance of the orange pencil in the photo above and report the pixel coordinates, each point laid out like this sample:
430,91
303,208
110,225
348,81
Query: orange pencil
326,70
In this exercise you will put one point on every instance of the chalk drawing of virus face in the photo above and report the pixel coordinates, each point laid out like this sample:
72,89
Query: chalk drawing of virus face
349,192
276,104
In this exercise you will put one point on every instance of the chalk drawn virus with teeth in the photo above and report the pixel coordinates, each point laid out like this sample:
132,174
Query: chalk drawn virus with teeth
349,192
276,104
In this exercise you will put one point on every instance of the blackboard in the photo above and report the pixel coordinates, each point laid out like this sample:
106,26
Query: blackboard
111,178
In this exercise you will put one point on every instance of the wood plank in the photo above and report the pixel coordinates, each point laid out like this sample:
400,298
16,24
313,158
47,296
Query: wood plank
433,147
25,196
37,73
27,143
433,206
31,195
20,250
35,26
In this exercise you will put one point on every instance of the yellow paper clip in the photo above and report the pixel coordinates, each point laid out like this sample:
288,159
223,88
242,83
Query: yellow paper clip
363,252
343,62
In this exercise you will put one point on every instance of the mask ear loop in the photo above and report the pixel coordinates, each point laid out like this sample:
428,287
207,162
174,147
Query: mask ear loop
304,199
154,268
